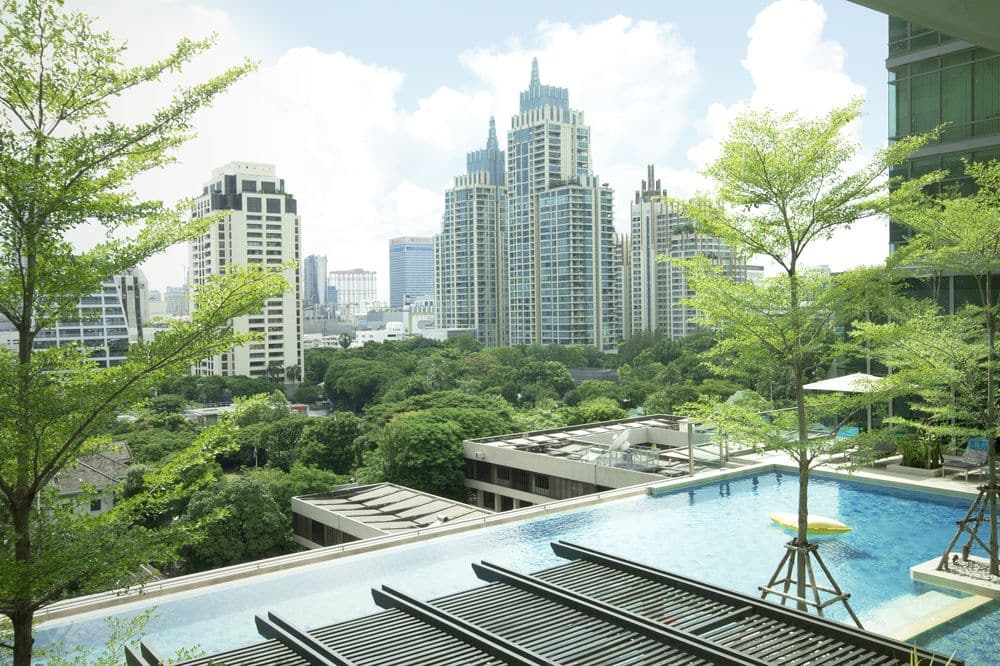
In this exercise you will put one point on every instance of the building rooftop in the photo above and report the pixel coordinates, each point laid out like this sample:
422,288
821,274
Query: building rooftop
392,509
653,444
99,470
595,609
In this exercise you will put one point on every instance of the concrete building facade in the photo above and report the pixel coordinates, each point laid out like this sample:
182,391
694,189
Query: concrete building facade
108,321
470,261
661,229
411,269
259,225
563,276
513,471
355,291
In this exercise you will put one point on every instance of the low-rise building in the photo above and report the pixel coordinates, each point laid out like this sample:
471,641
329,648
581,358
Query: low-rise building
350,513
513,471
91,483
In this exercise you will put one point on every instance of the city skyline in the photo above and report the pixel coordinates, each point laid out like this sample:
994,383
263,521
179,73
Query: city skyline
370,162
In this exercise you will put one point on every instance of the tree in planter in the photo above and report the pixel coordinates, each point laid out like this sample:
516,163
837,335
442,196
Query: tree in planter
948,361
62,162
782,184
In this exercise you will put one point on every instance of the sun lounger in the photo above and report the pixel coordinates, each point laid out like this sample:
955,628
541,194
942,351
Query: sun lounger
976,455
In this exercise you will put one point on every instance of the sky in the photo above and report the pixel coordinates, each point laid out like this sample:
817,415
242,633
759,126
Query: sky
368,109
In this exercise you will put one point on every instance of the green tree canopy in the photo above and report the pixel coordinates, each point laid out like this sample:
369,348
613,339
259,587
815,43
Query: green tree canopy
252,524
64,163
328,443
945,362
781,184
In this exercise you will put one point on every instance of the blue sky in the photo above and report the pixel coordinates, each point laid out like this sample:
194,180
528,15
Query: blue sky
368,109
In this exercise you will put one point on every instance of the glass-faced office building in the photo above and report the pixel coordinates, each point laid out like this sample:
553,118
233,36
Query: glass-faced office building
935,79
564,276
411,269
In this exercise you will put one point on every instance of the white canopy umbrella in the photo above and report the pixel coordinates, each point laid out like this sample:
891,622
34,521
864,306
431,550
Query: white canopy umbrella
858,382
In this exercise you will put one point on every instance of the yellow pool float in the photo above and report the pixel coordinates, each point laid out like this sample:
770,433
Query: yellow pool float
816,524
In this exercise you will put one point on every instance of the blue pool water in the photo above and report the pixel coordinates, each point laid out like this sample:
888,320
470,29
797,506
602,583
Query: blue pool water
718,532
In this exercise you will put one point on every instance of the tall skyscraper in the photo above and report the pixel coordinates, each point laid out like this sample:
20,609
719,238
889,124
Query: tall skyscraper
564,279
660,229
411,269
355,289
260,226
470,267
314,280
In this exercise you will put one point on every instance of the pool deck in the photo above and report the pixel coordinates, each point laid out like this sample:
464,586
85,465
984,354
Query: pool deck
757,463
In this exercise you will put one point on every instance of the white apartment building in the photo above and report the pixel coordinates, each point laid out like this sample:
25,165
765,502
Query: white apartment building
107,322
355,290
260,225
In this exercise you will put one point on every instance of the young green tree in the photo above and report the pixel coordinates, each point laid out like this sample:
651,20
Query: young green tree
782,183
948,361
64,163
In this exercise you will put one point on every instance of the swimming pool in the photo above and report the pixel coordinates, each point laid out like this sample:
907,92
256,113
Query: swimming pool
718,532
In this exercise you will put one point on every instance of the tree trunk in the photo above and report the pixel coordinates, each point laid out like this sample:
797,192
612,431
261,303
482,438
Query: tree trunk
21,622
22,617
991,495
802,536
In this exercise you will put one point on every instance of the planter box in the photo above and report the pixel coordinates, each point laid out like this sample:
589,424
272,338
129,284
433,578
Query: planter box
914,471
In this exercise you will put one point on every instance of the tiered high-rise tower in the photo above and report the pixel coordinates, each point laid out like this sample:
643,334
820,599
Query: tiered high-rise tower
660,229
563,276
470,268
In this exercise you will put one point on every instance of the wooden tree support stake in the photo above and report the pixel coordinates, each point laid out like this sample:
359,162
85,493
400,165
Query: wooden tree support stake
780,586
974,519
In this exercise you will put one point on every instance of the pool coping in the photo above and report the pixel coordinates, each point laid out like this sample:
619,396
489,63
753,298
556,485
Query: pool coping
68,608
927,572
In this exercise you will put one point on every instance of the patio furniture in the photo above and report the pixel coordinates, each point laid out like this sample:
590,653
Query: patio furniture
977,453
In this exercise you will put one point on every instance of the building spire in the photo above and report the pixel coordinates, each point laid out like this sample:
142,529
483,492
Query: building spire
534,73
491,142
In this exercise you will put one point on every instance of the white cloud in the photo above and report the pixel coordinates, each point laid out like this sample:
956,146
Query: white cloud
366,167
795,68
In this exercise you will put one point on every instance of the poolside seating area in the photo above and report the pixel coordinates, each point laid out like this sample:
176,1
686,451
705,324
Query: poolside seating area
974,459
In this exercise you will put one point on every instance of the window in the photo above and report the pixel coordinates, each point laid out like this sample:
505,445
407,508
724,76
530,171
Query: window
267,186
95,505
253,205
274,205
249,185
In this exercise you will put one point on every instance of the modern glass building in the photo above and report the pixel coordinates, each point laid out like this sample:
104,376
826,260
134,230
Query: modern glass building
935,79
411,269
564,277
470,262
661,230
314,280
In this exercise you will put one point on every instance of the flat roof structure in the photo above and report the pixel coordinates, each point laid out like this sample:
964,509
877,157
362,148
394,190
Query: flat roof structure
384,508
597,609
